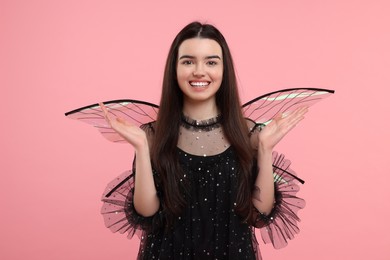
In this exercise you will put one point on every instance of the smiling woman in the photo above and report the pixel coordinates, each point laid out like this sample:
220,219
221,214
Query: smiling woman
204,176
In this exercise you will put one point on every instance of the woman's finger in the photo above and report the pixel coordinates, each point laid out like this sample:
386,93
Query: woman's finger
105,111
298,113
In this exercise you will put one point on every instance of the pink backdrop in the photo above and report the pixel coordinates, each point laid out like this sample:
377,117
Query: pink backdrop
60,55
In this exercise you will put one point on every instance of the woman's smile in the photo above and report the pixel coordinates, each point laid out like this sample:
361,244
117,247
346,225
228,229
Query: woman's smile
199,84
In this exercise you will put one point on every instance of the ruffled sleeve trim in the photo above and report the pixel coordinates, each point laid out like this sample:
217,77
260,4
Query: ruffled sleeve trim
118,208
281,224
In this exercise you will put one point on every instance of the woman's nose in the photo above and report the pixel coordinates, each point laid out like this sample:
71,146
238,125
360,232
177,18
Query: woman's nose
198,71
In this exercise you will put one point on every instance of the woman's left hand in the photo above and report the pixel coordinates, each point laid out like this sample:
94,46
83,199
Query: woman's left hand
280,125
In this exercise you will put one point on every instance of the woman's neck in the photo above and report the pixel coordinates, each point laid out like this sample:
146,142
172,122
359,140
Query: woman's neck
200,110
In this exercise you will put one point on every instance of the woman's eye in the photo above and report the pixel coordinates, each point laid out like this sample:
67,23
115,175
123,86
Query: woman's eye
187,62
212,63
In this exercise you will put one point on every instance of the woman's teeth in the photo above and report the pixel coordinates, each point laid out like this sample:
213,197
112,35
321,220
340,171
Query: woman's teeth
199,84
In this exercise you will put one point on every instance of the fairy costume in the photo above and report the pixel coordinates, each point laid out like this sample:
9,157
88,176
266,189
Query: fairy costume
208,228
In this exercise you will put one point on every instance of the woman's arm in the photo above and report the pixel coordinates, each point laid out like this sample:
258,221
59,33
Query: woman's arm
268,137
263,193
146,201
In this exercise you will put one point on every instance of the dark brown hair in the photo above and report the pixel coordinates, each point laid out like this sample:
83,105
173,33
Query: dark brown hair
164,151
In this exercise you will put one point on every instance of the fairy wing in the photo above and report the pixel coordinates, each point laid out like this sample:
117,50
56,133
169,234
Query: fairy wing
134,111
262,109
282,223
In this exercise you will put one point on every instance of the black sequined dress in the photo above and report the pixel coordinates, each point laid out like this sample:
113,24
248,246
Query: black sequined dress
208,228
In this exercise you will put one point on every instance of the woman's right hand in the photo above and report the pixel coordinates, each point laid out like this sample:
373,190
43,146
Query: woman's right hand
131,133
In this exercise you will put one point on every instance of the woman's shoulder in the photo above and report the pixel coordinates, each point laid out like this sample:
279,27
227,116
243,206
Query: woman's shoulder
149,129
251,125
253,131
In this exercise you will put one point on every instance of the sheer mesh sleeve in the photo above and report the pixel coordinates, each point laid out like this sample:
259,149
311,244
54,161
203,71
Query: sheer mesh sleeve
118,208
281,224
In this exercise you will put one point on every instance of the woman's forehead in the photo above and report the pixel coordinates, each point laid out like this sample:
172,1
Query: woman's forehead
200,47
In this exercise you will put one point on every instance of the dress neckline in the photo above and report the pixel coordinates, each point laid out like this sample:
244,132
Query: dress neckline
205,125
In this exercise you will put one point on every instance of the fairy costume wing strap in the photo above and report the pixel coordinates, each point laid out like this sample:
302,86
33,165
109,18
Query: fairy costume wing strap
134,111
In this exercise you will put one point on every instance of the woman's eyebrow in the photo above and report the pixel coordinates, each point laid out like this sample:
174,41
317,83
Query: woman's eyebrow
206,58
213,57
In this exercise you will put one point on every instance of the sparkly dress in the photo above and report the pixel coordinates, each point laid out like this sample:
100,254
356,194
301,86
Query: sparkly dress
208,228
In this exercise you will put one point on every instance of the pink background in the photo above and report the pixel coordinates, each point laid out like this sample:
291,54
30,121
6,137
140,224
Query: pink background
59,55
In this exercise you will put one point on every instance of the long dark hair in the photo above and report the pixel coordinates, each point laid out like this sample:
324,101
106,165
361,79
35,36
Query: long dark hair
164,149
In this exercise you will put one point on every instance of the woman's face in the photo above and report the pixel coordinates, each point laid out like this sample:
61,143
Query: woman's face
199,69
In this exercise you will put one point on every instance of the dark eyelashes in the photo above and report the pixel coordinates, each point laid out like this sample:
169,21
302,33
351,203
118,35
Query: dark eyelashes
188,62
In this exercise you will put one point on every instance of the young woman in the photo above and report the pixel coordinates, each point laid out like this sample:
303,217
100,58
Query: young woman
202,180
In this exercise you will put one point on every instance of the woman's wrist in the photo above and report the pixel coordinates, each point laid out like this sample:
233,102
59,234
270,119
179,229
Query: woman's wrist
264,150
142,147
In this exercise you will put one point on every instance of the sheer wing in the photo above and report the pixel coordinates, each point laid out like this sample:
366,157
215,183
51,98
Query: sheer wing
135,111
282,224
262,109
